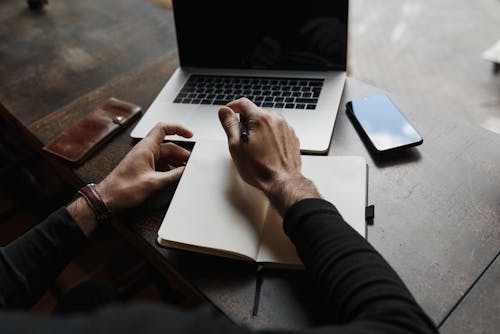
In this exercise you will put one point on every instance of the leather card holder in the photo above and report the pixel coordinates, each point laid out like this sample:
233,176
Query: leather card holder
78,142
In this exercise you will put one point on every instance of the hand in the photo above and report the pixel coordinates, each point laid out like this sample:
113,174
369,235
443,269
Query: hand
270,159
145,169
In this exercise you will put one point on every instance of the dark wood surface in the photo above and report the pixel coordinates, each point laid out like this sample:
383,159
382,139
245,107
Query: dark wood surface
57,55
437,206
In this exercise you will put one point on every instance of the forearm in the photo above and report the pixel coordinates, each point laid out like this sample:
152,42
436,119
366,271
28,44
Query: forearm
29,264
83,216
359,288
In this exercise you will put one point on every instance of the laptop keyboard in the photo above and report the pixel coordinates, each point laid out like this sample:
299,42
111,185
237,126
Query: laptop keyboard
289,93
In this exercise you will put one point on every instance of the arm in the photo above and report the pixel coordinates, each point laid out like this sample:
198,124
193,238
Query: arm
29,264
361,291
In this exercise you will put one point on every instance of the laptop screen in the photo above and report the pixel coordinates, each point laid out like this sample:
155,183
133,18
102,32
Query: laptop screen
262,34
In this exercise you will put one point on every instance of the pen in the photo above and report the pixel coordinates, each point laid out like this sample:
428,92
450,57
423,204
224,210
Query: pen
243,129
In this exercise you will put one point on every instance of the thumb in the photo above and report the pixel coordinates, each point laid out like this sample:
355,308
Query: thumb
230,123
163,179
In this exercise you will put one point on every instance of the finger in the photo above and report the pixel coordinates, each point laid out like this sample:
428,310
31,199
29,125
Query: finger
175,129
230,123
158,133
163,179
173,155
245,107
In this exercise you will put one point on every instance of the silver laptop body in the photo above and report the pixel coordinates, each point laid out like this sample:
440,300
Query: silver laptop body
289,62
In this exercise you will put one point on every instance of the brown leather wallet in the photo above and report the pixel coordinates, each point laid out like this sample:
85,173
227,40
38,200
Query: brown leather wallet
96,128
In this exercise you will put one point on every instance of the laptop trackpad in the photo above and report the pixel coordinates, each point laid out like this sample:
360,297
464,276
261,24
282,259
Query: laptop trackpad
203,121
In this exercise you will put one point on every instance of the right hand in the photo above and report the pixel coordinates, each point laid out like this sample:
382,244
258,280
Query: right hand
270,159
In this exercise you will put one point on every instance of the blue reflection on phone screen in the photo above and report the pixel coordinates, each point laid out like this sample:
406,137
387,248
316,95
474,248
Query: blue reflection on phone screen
383,123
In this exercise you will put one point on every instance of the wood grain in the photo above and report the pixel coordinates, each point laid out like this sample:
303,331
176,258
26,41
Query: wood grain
51,58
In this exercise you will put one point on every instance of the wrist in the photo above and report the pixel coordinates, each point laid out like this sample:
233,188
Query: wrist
106,196
94,199
286,192
83,215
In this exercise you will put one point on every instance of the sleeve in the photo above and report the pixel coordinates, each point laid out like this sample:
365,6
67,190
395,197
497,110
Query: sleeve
31,262
361,292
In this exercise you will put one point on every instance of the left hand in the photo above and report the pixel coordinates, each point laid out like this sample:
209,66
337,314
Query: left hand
145,169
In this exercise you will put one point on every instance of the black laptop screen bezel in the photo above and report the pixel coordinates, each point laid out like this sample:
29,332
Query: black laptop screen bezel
197,52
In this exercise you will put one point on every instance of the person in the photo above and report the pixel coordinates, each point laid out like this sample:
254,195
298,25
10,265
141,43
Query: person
361,292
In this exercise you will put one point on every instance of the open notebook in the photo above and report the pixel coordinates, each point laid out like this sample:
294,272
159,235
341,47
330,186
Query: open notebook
215,212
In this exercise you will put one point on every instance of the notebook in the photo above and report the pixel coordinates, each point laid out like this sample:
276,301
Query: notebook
215,212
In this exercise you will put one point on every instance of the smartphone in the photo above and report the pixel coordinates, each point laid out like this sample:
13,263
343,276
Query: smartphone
381,124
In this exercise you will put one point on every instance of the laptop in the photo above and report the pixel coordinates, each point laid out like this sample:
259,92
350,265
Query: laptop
286,56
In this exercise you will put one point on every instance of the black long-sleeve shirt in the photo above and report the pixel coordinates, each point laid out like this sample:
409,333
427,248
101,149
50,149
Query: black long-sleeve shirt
362,293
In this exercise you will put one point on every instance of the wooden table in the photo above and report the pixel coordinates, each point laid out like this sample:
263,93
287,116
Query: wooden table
437,206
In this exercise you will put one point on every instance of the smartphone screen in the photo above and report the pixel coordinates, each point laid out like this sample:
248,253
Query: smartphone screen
382,123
